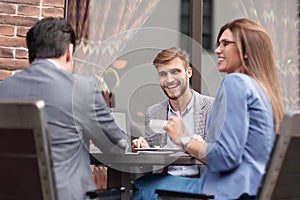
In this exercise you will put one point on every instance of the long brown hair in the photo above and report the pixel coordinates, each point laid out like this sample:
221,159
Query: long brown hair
257,55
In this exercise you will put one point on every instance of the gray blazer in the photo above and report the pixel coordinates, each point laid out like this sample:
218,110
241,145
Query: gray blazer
76,112
202,105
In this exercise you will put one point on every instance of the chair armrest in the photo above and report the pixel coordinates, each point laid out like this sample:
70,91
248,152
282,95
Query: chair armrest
172,195
105,194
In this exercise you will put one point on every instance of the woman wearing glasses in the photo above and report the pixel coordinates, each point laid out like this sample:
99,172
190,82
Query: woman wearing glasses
242,123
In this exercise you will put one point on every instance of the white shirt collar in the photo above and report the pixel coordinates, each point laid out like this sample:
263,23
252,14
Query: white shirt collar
55,63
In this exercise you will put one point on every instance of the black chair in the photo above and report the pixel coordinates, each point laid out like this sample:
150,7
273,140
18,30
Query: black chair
282,179
172,195
25,155
105,194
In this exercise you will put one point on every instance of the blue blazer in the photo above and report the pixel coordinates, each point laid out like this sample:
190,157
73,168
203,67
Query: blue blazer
240,136
76,112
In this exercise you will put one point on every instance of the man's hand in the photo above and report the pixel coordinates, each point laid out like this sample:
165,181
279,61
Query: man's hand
175,128
139,143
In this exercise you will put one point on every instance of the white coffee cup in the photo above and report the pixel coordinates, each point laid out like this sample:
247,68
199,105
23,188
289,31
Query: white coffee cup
157,125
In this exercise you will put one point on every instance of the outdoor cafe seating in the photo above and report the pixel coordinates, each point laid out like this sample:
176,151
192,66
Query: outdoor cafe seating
24,145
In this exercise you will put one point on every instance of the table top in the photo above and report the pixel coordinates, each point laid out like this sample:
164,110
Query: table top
126,162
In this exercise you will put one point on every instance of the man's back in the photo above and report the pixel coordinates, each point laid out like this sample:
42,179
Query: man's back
76,111
44,81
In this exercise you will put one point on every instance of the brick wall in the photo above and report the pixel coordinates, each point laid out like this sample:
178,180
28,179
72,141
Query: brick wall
298,55
16,17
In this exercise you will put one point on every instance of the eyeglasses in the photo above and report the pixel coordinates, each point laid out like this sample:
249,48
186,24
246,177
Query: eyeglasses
222,44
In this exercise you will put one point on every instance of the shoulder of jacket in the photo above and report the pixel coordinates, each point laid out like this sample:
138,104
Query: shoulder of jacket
205,99
237,77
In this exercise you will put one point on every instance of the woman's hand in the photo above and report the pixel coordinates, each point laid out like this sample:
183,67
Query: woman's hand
175,128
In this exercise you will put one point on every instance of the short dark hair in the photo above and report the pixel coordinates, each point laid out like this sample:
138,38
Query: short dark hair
49,37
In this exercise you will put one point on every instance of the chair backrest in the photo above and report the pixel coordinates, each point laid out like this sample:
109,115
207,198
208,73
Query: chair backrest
25,155
282,179
121,118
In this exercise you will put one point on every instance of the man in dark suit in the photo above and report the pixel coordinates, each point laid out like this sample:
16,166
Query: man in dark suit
76,110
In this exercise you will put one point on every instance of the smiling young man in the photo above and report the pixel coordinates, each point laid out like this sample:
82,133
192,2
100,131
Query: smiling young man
174,73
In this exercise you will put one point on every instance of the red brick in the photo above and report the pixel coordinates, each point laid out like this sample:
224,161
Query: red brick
7,73
7,30
30,2
22,31
54,3
4,74
7,8
21,53
6,53
28,10
12,42
18,20
13,64
54,12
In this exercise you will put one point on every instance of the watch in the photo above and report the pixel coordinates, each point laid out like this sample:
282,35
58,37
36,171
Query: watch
184,142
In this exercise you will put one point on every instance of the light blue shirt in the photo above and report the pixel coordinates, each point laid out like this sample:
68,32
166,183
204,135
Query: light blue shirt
188,121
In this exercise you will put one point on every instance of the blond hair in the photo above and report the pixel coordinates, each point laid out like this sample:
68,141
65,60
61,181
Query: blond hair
169,54
256,53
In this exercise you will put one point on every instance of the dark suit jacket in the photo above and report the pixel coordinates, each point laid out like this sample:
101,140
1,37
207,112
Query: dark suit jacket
202,105
76,112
